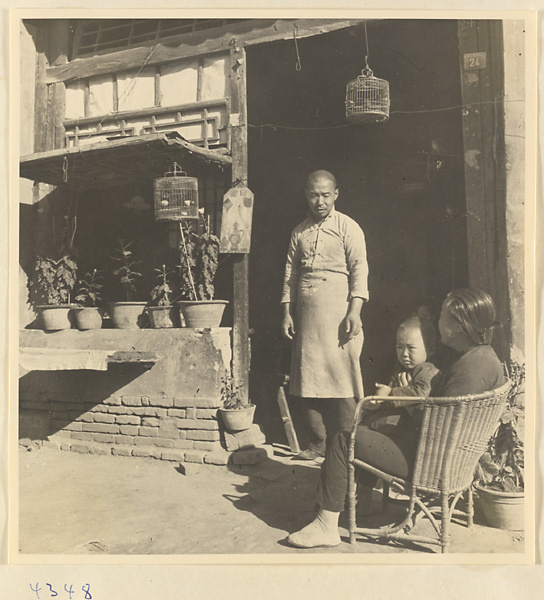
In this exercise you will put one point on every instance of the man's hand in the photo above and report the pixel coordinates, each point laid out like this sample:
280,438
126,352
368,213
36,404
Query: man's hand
352,324
287,327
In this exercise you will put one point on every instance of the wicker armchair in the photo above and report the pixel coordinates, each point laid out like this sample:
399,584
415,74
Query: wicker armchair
453,436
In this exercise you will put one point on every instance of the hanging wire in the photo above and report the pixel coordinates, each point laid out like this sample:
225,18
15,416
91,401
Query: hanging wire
298,65
394,112
367,55
65,170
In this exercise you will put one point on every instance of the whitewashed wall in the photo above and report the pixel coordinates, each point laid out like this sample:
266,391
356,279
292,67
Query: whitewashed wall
136,90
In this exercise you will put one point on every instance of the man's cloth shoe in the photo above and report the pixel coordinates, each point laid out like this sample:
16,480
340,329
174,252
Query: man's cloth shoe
308,455
314,536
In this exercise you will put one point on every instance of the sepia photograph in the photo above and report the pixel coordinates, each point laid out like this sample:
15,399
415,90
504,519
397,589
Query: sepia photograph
274,292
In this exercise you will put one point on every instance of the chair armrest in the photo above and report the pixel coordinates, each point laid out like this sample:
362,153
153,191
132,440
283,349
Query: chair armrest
366,399
406,399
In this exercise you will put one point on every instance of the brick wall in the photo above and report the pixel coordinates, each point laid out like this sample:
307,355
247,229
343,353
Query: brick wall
167,412
177,429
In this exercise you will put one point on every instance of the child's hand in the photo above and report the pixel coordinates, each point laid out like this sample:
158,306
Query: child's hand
404,378
382,389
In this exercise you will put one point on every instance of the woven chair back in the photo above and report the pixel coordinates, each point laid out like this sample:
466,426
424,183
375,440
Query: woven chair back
454,435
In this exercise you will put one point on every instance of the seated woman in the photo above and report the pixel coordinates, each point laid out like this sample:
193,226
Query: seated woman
466,323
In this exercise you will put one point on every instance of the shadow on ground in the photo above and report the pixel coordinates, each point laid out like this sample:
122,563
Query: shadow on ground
279,494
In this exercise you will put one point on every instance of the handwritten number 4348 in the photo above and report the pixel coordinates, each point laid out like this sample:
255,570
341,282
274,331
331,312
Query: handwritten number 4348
52,593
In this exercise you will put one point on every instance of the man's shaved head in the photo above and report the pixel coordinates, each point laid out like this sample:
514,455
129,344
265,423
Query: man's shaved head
321,174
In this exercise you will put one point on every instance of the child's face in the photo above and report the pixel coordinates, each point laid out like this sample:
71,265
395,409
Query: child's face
410,347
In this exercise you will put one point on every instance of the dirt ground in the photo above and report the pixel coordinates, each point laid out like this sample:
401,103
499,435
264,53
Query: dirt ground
87,504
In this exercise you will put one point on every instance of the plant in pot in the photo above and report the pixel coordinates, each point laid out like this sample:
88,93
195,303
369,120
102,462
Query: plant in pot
199,259
237,415
50,288
163,313
128,314
89,312
500,481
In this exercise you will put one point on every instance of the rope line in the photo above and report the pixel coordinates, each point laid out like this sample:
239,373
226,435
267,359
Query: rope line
394,112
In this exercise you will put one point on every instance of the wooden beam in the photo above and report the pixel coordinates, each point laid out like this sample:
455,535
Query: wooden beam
157,87
200,78
87,99
59,42
146,112
59,112
176,48
482,91
238,127
116,96
41,92
58,52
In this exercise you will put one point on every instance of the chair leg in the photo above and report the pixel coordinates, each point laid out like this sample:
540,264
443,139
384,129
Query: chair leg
445,537
385,496
470,508
352,503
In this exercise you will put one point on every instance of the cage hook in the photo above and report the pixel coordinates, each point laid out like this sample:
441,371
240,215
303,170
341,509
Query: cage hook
298,65
367,71
65,169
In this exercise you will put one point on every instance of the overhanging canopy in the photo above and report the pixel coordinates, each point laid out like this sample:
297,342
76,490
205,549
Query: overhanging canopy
120,160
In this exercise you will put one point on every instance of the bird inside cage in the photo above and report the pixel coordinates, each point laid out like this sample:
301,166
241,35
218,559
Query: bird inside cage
367,99
176,195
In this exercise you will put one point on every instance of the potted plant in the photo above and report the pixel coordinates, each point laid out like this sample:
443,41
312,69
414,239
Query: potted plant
88,314
50,288
199,259
237,415
129,313
162,314
500,481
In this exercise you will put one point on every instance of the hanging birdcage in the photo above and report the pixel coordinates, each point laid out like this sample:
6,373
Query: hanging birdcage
367,99
176,196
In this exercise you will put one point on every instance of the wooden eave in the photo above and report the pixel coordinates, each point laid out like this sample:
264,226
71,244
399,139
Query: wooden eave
246,33
120,161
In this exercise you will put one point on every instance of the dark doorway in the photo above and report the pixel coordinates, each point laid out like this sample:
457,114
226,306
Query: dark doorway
402,180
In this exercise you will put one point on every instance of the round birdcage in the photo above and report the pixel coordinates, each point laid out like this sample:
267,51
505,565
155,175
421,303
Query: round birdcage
367,99
176,196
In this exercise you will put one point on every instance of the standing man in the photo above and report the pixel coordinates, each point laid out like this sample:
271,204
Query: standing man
324,288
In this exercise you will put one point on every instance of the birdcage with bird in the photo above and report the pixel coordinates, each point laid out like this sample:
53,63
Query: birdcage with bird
176,195
367,97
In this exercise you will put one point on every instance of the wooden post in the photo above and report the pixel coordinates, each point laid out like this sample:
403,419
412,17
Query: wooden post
482,91
52,47
40,96
238,129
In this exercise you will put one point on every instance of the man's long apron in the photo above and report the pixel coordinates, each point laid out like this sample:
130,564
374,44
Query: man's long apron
325,363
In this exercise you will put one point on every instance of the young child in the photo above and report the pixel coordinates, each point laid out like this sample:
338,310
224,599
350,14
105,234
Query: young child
416,342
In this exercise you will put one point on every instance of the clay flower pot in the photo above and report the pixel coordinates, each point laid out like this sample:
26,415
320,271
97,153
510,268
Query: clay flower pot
54,317
238,419
503,510
163,317
202,314
88,317
128,315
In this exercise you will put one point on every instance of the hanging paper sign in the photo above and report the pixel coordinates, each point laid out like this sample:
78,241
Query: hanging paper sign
236,221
